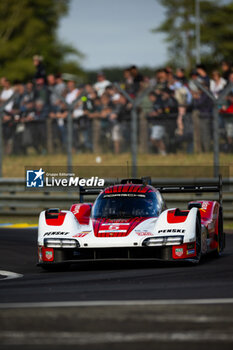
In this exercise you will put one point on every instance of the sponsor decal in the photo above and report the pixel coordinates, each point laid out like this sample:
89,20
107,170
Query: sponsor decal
124,195
190,251
35,178
179,251
173,230
49,255
143,233
82,234
114,227
56,233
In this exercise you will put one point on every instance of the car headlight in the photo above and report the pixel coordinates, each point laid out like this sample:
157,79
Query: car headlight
61,243
163,241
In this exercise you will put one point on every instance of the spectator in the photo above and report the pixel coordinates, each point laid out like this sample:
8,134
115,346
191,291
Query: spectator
112,92
6,93
101,84
228,111
58,114
230,78
201,118
40,68
41,91
226,69
217,83
169,102
29,93
8,125
161,79
117,119
157,129
39,116
180,75
60,86
137,78
128,82
53,98
72,92
202,74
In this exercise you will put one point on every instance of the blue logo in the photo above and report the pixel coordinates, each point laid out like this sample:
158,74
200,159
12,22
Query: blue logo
35,178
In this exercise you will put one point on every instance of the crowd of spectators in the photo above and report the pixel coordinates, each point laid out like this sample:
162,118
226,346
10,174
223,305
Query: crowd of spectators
178,114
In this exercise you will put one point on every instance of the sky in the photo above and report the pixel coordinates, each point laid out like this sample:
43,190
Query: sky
115,32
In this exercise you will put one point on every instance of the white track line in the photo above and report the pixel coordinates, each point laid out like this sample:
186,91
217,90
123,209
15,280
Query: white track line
84,338
9,275
115,303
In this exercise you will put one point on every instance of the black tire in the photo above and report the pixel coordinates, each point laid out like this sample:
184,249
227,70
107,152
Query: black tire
221,235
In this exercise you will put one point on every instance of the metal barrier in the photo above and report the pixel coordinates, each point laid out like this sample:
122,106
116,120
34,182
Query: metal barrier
15,200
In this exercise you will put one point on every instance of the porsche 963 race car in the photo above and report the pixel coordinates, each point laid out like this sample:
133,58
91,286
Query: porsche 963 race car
130,221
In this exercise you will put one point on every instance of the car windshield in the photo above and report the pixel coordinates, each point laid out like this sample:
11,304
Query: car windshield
126,205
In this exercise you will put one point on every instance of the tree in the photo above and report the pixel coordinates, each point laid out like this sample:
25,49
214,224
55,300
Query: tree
216,30
28,27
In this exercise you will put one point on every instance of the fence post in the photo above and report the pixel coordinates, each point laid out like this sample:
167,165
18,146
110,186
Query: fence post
69,138
49,135
143,133
134,142
216,139
96,135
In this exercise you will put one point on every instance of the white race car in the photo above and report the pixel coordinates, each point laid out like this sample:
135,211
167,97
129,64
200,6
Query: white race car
130,221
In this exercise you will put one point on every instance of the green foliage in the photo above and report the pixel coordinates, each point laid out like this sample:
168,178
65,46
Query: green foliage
28,27
216,30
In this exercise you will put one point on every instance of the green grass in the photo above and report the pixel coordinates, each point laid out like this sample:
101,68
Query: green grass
14,166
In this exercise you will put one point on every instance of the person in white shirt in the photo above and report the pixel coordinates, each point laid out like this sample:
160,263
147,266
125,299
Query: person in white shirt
72,93
217,83
101,84
6,93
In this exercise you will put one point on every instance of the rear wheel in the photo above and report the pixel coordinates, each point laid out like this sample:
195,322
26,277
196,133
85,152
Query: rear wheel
221,235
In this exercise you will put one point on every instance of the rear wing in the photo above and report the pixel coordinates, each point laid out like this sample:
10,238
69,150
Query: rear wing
214,186
193,189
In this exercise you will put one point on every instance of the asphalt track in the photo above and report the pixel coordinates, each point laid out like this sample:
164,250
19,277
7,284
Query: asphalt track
126,305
